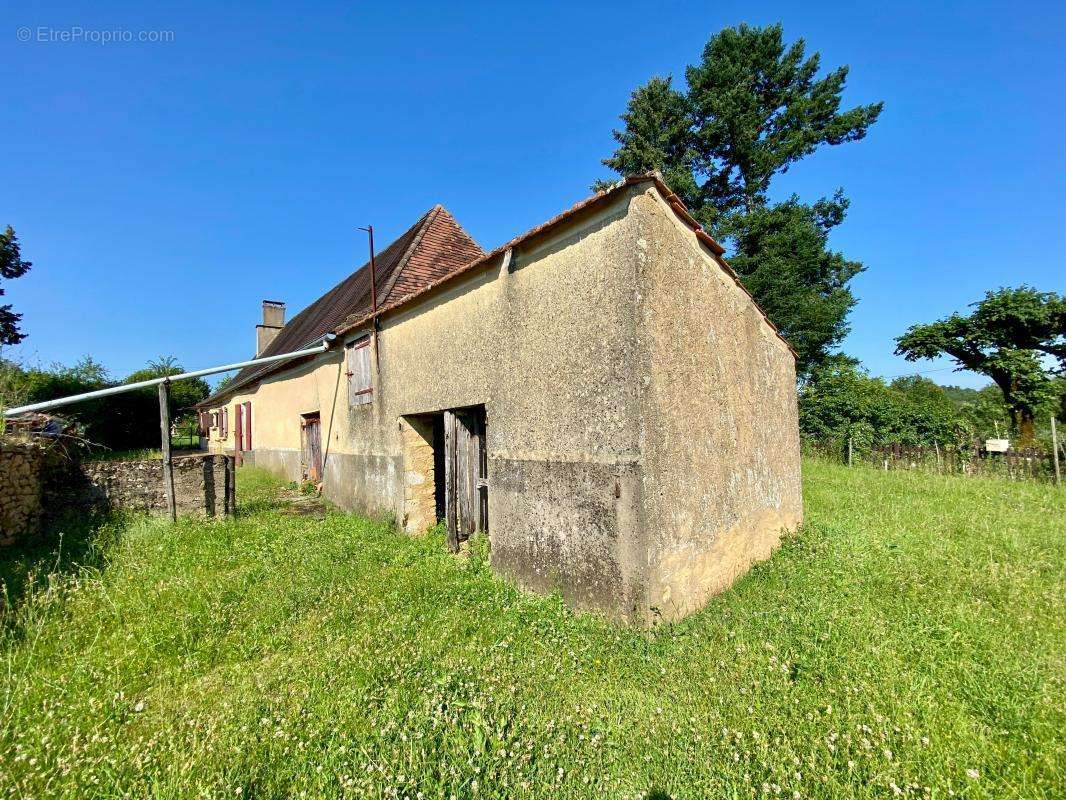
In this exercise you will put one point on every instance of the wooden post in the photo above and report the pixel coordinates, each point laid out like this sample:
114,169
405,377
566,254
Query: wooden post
168,464
849,451
936,447
1055,448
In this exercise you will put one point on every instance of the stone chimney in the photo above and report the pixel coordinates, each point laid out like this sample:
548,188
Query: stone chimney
273,322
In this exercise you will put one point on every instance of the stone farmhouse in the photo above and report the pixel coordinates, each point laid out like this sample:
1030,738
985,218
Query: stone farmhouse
600,395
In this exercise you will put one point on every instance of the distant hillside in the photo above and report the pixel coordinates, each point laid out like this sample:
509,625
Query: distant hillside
961,395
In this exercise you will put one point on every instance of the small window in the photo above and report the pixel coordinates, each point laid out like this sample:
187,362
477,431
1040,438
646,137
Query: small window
360,388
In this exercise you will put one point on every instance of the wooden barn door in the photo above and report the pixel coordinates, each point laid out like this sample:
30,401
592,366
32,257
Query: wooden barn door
311,441
465,470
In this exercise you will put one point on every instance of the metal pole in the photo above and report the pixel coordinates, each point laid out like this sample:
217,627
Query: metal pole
168,463
1055,448
129,387
373,273
373,295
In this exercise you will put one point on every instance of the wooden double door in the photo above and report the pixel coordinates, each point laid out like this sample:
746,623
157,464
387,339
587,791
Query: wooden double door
466,500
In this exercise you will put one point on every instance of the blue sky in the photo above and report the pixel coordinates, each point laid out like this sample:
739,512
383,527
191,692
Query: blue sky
164,189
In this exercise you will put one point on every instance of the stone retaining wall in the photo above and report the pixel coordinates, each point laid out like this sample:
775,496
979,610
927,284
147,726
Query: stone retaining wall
38,479
203,484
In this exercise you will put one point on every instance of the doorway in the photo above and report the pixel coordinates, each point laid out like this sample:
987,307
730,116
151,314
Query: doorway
446,469
466,507
238,436
311,447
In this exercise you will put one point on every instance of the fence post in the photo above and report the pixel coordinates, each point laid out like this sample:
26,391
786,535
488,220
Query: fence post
849,451
168,464
1055,448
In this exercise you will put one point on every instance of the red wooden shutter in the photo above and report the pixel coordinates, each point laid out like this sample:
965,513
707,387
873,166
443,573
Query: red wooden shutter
248,425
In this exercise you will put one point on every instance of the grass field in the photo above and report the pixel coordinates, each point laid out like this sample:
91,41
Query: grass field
908,642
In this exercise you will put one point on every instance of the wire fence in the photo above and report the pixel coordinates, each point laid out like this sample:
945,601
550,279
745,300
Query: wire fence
971,458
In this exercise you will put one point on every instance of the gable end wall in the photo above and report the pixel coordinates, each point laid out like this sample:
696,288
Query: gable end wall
720,437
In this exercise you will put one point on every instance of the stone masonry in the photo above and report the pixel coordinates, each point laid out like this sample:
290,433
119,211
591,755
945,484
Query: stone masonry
203,485
20,488
38,476
419,510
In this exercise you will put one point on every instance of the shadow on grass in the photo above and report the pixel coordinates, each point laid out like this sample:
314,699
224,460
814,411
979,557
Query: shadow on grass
64,546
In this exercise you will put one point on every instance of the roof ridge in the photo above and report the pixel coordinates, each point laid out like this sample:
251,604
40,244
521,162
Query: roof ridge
462,230
673,202
419,230
427,221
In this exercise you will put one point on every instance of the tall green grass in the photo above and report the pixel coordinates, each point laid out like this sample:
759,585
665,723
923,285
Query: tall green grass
908,642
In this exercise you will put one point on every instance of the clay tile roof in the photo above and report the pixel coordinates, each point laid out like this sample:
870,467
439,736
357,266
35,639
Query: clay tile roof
429,250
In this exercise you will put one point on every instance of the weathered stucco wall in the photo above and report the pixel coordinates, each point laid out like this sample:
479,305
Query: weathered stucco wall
721,449
548,348
641,420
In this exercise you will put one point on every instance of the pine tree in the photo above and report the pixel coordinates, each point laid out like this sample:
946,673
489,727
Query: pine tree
658,136
11,266
784,259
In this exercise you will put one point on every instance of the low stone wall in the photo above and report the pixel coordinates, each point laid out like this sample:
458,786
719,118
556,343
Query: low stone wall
20,488
204,485
39,479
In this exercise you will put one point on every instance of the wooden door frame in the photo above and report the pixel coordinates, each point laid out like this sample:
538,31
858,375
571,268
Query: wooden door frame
450,510
307,422
238,435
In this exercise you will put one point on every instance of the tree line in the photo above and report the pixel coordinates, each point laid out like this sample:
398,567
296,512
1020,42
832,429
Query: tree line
127,421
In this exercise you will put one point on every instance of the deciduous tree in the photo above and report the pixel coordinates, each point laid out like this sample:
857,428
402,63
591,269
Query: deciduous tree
1017,337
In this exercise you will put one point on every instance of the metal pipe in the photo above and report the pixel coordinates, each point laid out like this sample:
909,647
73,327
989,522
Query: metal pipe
129,387
373,296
